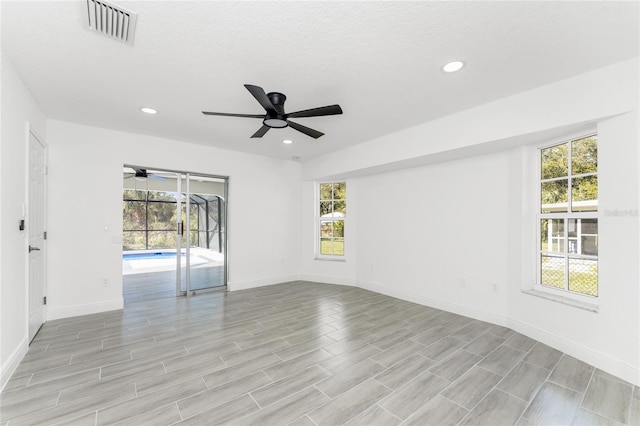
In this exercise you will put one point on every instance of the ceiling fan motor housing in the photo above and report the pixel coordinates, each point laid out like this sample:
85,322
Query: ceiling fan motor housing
278,120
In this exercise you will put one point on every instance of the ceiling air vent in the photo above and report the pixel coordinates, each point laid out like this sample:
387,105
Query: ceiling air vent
111,20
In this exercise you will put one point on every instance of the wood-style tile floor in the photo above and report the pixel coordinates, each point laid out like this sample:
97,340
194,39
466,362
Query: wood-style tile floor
302,354
162,284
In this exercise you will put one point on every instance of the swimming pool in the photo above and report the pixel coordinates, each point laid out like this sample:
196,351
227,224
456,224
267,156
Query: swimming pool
143,261
150,255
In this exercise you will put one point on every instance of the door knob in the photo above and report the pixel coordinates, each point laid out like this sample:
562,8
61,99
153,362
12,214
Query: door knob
33,249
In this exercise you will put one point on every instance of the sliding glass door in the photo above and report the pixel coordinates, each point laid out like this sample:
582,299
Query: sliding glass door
174,233
202,233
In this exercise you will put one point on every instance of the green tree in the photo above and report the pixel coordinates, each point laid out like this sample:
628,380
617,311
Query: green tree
555,165
584,159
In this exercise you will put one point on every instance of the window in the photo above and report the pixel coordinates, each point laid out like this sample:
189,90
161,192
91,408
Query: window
332,212
568,224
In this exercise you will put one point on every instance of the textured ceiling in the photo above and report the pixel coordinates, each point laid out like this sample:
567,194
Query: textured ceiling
379,60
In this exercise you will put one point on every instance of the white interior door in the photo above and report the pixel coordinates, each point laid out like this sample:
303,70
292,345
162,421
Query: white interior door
35,227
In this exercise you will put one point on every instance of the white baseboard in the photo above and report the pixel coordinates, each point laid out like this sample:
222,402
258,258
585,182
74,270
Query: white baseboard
244,285
444,305
599,360
9,366
328,280
54,313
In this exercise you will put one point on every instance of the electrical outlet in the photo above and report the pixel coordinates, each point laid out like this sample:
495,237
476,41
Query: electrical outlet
104,282
494,288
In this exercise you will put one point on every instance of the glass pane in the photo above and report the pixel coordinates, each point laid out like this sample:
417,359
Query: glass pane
134,215
545,240
552,271
572,227
584,155
572,245
326,208
194,238
132,194
552,235
162,239
193,224
338,228
326,246
340,206
338,247
135,240
589,244
554,197
554,161
326,229
583,276
589,236
207,242
584,194
340,191
325,191
589,226
162,216
162,196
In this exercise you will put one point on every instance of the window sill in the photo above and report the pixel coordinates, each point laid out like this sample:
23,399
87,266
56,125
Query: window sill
592,307
331,259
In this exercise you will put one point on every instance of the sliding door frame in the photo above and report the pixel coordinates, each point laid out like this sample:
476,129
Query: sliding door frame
182,186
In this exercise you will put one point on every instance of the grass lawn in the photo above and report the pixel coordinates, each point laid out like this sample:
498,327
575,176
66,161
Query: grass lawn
336,248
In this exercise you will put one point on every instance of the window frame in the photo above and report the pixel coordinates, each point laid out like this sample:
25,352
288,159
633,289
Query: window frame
565,292
319,220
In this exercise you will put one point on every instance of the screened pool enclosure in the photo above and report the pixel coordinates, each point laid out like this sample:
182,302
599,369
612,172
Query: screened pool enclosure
174,233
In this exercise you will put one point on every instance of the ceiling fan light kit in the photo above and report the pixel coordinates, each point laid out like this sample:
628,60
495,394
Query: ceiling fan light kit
276,121
275,117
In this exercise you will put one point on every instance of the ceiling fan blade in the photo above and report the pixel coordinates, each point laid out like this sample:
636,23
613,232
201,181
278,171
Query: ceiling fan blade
226,114
262,98
156,177
304,129
261,131
317,112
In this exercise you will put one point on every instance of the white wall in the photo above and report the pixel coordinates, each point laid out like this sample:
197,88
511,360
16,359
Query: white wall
263,221
460,191
437,235
17,109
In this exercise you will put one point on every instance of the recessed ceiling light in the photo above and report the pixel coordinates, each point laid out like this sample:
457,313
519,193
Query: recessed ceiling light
148,110
287,141
453,66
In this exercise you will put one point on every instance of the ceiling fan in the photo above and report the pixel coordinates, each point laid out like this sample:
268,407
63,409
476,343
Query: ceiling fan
273,103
